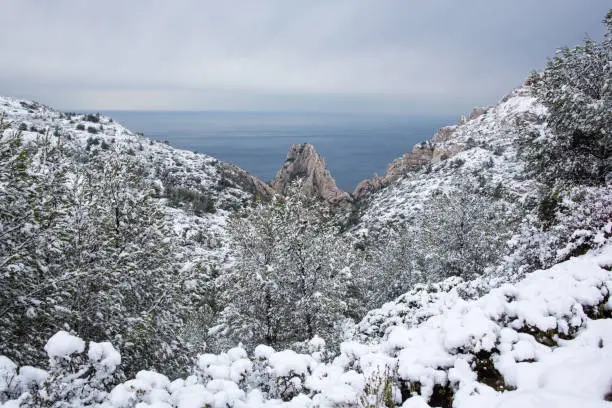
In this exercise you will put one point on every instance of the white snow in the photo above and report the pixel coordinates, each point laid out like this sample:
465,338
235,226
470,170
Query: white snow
63,344
442,349
30,376
104,355
263,351
288,362
8,371
536,333
503,328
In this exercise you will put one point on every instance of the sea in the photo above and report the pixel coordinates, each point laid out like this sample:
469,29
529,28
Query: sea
354,146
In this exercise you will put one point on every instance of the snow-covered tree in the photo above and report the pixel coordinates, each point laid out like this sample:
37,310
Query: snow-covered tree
292,273
459,232
127,264
576,87
30,210
462,233
85,247
392,268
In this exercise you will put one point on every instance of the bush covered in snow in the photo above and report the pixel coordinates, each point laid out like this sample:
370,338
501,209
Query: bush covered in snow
544,340
581,220
292,277
74,378
576,88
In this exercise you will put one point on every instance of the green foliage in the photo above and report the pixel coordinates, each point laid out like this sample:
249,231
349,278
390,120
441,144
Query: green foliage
92,118
85,248
457,163
547,208
92,141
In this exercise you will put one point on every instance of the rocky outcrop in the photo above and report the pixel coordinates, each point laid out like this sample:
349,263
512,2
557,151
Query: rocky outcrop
304,163
441,146
369,186
421,154
246,182
477,112
444,134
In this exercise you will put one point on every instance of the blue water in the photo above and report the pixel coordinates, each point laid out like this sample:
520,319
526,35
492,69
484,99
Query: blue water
354,146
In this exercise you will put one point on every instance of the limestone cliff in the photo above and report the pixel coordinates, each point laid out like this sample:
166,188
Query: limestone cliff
304,163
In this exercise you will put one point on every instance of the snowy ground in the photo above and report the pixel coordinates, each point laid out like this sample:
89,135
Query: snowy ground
543,342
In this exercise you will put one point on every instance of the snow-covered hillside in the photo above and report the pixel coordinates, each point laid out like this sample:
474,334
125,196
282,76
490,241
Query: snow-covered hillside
545,341
482,147
222,186
75,187
95,132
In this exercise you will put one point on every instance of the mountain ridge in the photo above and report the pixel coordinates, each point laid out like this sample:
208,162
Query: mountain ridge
301,160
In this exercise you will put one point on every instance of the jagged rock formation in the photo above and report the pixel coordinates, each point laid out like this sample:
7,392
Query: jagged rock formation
303,162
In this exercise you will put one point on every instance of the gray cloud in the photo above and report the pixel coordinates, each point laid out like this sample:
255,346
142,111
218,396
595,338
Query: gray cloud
344,55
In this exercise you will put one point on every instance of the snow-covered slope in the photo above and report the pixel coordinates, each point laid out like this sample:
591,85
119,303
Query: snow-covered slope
223,186
481,147
226,184
545,341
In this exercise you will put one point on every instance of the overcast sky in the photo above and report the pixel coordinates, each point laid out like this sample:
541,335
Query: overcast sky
404,56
